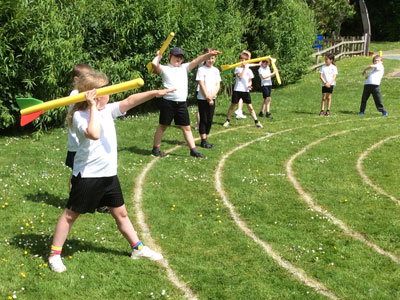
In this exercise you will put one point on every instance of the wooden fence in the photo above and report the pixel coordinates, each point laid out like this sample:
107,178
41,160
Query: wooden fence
343,46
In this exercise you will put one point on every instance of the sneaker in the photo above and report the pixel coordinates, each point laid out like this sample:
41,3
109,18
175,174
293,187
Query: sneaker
103,210
261,114
196,154
269,116
361,113
240,116
206,145
157,152
321,113
384,113
56,264
258,125
226,124
238,112
328,113
146,252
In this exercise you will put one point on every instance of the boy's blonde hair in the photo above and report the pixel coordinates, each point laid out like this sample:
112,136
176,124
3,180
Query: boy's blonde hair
86,82
247,52
244,56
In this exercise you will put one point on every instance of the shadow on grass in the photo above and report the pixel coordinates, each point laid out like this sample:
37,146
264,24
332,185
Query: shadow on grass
348,112
45,197
39,245
134,149
305,112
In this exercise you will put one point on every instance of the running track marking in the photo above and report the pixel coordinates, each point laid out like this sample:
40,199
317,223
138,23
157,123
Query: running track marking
321,210
297,272
365,177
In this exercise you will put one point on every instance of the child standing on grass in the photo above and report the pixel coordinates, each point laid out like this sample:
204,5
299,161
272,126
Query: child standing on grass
328,78
173,105
242,89
266,84
95,181
371,85
209,80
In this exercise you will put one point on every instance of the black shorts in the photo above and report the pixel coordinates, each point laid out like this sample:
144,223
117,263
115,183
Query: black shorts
266,90
87,194
173,110
69,161
326,90
245,96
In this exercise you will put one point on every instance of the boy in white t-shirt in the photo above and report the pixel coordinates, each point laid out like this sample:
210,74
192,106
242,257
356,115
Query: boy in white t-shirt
241,90
371,85
209,80
173,106
266,84
328,78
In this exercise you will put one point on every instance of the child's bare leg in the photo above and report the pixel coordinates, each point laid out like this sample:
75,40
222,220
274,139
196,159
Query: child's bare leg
124,224
187,134
328,100
267,103
159,134
64,225
240,105
252,112
323,102
230,111
263,106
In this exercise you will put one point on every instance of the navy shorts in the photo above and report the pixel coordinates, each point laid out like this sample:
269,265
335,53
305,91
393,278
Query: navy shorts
326,90
245,96
266,90
173,110
87,194
69,161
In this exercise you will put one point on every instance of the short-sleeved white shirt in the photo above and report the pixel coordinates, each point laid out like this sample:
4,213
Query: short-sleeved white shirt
242,85
328,73
73,142
265,72
176,78
96,158
375,76
210,77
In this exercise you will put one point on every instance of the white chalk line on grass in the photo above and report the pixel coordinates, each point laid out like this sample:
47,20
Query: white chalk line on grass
296,272
145,230
365,178
320,209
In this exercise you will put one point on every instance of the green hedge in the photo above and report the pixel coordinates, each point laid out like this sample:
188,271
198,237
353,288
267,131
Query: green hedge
41,40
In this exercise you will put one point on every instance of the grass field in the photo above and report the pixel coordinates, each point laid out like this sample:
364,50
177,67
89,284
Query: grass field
277,213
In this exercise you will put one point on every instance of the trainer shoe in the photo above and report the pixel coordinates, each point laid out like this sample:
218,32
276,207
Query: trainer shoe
240,116
269,116
361,113
196,154
157,152
103,210
384,113
261,114
226,124
146,252
321,113
206,145
56,264
328,113
258,125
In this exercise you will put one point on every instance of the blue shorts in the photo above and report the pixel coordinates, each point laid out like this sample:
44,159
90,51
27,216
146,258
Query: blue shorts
266,90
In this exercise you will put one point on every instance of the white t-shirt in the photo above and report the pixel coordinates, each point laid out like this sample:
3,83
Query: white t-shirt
176,78
73,142
96,158
328,73
242,85
265,72
210,77
375,76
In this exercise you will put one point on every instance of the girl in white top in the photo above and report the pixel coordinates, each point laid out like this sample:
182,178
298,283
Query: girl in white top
328,78
95,181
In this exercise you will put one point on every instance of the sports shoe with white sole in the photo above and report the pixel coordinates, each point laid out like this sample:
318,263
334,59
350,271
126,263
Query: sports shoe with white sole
226,124
56,264
146,252
258,125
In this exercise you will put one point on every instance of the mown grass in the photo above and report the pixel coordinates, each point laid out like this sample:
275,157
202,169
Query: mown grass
189,221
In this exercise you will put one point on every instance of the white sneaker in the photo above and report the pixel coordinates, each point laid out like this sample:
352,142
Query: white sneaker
146,252
238,112
240,115
56,264
258,125
226,124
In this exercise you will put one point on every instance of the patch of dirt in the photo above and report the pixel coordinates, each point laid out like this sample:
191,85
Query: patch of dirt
394,74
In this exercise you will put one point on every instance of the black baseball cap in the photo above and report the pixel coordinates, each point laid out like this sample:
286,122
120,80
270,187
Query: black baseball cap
177,51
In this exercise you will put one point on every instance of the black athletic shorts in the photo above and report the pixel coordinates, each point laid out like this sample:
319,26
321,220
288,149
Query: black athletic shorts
174,110
245,96
266,90
87,194
326,90
69,161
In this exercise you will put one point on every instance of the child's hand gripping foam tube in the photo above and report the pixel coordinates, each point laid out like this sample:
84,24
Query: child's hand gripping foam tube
149,66
32,108
275,69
